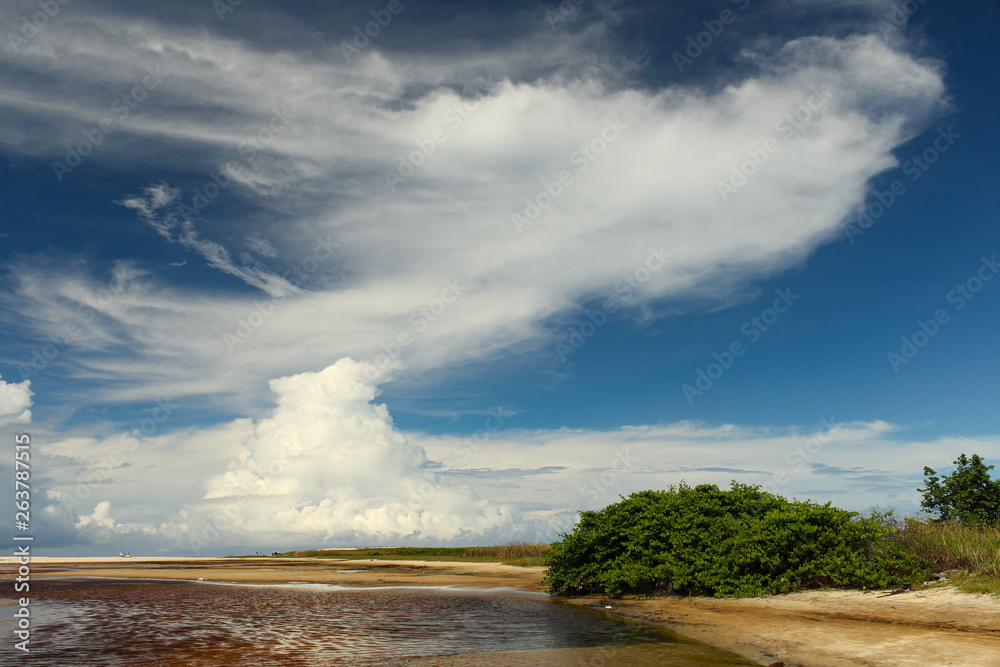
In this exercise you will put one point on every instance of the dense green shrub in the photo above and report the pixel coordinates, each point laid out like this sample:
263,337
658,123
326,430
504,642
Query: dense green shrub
735,543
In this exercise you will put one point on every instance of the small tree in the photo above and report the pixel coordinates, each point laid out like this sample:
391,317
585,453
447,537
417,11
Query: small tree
967,495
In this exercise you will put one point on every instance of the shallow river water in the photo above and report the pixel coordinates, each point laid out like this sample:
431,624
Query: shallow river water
108,622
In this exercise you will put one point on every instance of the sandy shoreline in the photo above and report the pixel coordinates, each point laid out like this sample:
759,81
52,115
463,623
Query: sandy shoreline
936,626
360,572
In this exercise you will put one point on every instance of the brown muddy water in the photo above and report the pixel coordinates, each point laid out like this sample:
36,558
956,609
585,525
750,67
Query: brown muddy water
108,622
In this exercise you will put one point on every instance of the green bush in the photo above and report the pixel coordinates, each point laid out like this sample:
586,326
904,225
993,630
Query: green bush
737,543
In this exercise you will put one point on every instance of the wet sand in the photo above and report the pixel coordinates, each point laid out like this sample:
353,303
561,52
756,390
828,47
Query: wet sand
688,655
936,626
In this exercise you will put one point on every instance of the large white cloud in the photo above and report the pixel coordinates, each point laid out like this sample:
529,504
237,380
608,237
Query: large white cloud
327,467
329,463
374,263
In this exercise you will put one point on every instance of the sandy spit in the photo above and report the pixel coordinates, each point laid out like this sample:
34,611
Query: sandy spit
360,572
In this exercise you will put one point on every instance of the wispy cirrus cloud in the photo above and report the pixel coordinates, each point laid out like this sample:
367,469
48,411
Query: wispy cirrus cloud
324,178
157,206
429,276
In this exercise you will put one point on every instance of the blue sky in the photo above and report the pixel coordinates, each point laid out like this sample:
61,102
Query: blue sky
270,282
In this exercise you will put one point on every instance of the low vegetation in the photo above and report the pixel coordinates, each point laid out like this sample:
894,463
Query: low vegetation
746,542
970,554
963,536
953,546
737,543
512,553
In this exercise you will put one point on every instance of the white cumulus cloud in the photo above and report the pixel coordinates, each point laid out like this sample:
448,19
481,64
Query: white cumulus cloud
15,401
330,464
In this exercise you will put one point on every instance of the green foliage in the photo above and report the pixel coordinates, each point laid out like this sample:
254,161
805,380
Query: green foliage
380,552
511,553
967,495
737,543
954,546
976,584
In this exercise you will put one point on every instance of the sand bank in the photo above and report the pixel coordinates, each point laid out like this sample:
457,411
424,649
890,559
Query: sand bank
287,570
937,626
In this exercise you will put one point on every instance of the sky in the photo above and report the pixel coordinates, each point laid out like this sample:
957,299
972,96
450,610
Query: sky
288,275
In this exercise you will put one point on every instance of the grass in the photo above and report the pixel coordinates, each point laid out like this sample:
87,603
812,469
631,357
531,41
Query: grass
952,546
975,583
512,553
971,552
511,550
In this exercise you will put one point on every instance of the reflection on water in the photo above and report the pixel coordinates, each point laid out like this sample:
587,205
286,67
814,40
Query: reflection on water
128,622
